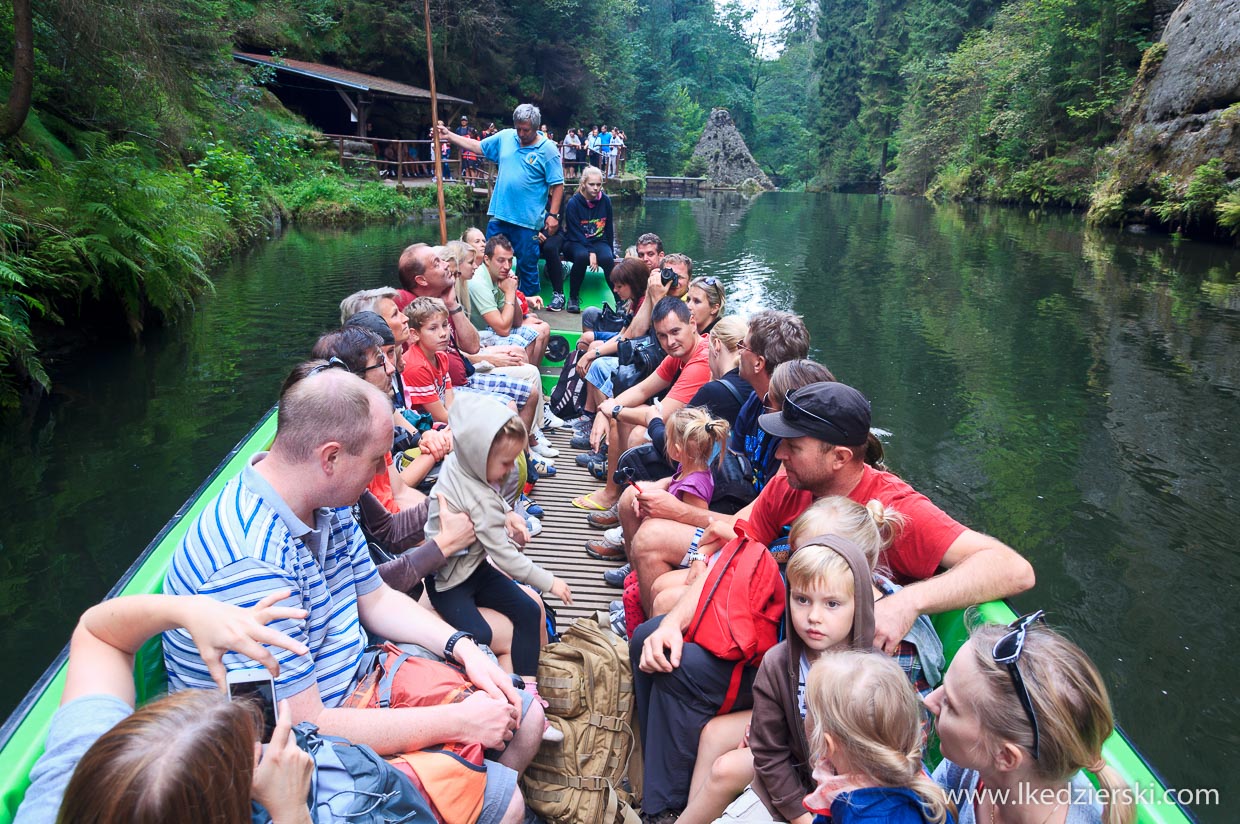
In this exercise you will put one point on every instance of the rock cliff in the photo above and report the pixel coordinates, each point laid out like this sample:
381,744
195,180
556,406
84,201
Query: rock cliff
721,150
1184,109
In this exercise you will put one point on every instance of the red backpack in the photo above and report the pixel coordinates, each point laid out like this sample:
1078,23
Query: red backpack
740,609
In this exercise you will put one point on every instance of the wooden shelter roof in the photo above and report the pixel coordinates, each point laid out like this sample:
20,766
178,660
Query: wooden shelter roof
346,78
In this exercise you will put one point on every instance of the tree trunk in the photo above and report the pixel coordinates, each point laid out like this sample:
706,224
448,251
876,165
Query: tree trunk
14,114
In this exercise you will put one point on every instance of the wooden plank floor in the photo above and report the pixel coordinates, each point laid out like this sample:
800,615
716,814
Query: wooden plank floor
561,547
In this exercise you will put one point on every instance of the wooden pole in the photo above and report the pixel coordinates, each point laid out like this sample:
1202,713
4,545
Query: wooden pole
438,160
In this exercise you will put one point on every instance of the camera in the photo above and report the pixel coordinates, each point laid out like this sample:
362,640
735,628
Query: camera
668,275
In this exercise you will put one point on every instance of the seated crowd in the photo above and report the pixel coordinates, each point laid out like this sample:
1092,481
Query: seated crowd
394,505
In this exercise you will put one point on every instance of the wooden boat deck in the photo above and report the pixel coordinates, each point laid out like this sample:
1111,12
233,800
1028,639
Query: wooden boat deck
560,548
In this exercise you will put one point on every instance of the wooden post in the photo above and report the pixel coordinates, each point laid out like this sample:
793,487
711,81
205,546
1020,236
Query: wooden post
400,167
437,163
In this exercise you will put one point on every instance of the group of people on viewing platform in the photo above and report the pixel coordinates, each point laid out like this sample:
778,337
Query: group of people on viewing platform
395,503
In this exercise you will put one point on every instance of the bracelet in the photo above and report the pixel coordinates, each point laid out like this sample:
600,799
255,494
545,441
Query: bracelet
449,647
458,310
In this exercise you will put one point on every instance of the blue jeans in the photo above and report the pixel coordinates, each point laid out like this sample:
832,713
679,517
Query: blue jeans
525,247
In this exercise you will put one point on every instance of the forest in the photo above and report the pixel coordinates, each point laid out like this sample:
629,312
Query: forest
134,150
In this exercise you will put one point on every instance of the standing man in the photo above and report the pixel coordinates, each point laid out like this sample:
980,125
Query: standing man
528,187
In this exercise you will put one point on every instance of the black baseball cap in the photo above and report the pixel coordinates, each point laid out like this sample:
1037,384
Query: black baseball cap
375,323
828,411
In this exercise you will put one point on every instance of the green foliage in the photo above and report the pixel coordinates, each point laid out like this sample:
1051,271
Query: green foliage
233,182
334,201
1197,203
1228,210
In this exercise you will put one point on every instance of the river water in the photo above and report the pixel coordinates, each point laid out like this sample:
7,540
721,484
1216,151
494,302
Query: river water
1070,391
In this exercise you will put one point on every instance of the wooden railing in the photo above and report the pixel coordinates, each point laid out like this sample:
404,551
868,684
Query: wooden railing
411,159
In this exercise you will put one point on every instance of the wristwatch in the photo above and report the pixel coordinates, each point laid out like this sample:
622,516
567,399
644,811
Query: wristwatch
457,310
453,640
615,411
694,555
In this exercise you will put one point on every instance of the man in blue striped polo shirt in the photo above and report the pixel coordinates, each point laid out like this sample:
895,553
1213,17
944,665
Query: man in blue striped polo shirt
285,524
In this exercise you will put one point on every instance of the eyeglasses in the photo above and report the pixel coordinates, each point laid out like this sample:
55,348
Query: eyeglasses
711,281
332,363
380,365
1007,651
744,347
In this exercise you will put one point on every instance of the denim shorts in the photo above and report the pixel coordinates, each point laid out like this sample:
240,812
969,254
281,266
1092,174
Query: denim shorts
600,372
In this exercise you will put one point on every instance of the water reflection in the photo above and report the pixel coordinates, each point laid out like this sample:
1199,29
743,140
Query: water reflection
1071,392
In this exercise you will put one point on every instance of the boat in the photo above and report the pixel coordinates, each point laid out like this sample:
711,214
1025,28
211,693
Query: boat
23,733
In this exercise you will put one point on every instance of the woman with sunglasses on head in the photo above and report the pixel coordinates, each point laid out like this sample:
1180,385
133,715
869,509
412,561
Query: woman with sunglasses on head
1021,713
705,299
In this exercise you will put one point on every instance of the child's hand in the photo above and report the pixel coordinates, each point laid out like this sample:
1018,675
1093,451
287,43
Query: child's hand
560,590
517,529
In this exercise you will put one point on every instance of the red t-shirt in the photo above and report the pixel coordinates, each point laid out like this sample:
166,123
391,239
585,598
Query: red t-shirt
381,487
425,382
686,378
915,555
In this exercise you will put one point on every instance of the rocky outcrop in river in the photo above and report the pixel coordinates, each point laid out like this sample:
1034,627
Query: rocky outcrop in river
721,150
1184,109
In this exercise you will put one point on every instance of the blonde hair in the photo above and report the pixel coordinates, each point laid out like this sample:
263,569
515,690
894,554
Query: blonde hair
865,703
1071,704
512,430
729,331
458,251
872,527
589,170
697,433
422,310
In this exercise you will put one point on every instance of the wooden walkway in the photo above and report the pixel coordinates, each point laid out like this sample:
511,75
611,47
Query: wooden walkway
560,548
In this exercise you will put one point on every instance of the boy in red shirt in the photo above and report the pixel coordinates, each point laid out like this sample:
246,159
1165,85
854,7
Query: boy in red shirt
427,383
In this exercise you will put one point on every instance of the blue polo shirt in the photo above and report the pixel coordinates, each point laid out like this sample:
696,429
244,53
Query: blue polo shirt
526,174
247,544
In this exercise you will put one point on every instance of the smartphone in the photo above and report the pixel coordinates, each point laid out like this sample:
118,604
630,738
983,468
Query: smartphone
255,685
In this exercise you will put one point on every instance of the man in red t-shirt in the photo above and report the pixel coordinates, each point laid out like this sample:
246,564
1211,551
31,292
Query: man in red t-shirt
945,565
621,420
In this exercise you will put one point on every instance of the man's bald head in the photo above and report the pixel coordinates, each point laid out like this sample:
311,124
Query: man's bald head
321,404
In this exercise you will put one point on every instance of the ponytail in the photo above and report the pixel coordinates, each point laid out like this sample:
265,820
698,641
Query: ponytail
698,434
1118,808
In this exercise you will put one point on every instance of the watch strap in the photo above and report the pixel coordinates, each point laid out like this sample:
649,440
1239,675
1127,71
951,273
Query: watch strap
453,640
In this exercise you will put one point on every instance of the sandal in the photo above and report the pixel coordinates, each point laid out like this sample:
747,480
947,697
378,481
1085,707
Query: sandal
587,502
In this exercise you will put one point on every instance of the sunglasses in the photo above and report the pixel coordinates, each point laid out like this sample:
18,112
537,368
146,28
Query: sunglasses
332,363
1007,651
712,281
793,413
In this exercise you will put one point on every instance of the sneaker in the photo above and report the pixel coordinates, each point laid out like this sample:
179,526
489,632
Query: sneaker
543,466
615,535
557,302
615,577
574,306
586,458
606,519
615,617
599,470
529,507
580,421
615,605
581,439
542,445
604,550
533,525
551,420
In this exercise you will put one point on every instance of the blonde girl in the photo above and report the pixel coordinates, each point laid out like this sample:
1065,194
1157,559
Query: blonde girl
1024,709
693,438
462,260
825,614
866,739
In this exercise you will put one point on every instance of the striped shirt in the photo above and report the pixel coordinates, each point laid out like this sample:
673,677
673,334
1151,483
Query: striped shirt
246,544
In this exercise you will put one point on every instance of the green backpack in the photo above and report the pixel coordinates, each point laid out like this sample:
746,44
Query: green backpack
593,775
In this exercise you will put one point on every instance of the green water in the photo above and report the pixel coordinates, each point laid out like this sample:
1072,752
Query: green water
1072,392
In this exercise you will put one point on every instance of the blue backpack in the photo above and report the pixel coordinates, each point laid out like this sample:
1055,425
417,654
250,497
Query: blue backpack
353,783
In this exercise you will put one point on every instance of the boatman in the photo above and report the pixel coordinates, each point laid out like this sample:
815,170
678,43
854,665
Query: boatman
285,523
528,187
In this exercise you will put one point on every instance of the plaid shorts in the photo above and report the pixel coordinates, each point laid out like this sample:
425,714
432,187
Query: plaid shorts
522,336
506,386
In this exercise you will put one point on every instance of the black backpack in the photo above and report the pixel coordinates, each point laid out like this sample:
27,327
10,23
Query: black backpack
568,399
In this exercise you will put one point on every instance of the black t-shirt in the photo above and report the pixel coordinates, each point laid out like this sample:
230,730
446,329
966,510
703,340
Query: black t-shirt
722,403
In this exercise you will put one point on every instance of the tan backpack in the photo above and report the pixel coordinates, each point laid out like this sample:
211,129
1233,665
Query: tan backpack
587,683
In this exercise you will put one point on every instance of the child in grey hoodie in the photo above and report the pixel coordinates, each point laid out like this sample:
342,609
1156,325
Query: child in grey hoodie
487,438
